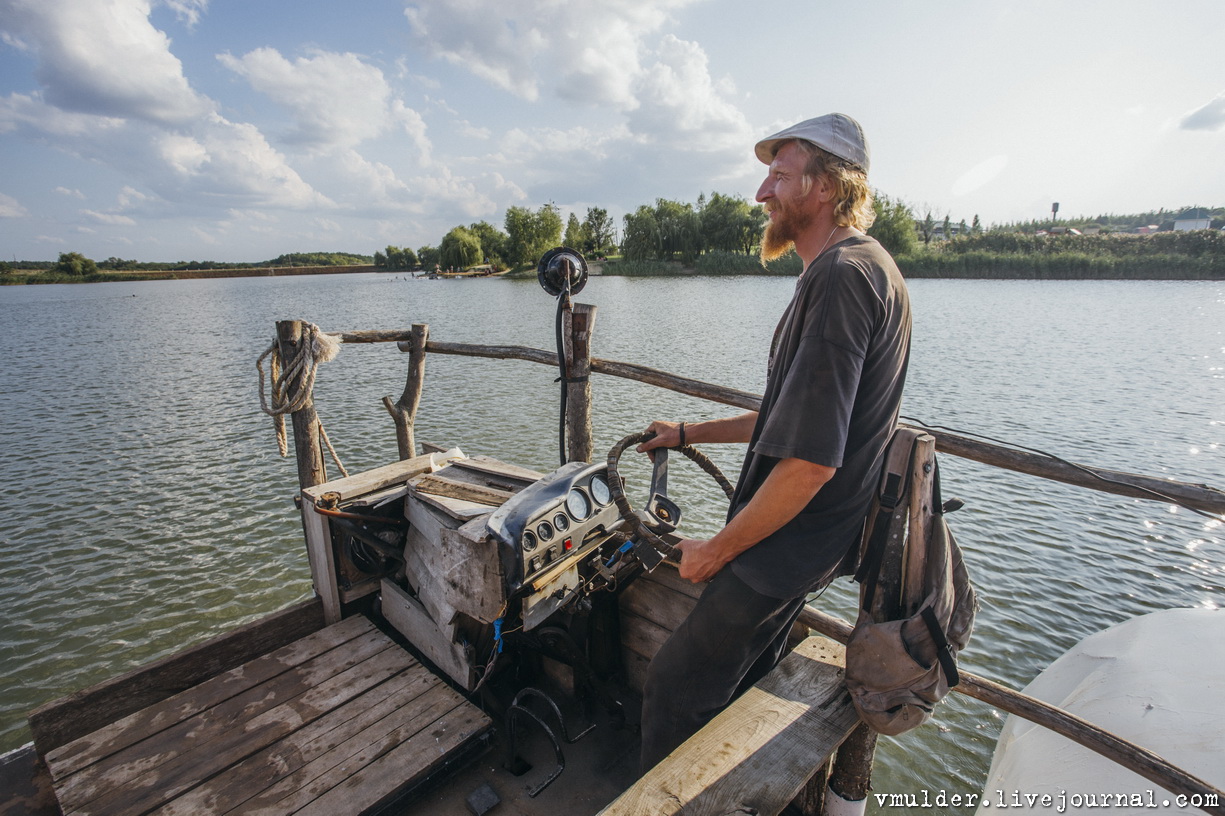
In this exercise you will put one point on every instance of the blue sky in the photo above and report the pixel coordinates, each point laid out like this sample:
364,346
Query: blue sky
225,130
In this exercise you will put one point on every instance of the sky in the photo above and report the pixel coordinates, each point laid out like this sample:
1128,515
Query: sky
239,130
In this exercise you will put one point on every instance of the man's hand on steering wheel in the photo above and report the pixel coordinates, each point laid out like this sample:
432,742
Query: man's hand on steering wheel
667,435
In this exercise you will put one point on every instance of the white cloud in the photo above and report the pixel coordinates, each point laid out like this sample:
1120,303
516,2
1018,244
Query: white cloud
74,193
105,59
10,207
682,107
130,196
583,50
336,100
113,93
188,11
111,219
1209,116
49,239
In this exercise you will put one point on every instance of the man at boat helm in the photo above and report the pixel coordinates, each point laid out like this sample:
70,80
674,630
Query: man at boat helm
836,368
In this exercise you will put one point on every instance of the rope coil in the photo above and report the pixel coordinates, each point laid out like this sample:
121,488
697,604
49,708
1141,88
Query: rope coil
291,385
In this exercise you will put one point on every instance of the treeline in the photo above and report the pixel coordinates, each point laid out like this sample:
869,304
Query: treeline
1193,255
1163,219
528,234
73,266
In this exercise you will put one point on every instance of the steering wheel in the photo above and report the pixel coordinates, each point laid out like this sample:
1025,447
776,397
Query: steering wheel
638,527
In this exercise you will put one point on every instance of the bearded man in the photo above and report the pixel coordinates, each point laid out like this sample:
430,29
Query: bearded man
836,369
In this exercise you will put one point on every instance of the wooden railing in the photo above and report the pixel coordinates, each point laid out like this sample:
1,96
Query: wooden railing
577,335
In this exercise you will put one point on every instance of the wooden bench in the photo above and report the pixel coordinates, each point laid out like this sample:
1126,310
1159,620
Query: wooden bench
338,721
758,753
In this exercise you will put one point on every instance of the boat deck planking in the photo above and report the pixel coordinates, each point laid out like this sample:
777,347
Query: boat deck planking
339,721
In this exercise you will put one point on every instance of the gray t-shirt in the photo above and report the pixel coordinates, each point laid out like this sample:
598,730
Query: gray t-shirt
834,389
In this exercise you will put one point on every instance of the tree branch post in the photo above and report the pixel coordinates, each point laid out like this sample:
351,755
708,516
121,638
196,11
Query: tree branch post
308,448
404,411
577,326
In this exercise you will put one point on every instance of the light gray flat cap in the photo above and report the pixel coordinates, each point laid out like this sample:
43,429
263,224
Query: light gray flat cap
834,133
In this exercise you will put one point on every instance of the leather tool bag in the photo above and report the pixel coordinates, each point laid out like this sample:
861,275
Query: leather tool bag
896,671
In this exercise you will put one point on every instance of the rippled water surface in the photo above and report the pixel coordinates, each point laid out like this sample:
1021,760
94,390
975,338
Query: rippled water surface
145,507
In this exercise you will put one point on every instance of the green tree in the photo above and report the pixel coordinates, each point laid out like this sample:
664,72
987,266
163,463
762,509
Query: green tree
531,234
493,242
946,228
574,237
894,226
459,249
976,227
395,257
6,268
640,239
927,228
598,231
428,257
74,263
729,224
680,230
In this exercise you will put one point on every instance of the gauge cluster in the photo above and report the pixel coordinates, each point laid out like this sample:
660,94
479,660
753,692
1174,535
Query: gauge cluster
545,530
560,529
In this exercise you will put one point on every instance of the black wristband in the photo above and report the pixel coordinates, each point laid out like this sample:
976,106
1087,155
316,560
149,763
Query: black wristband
682,436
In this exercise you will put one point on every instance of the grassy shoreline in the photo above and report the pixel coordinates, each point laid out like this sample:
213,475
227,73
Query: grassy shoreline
31,276
969,265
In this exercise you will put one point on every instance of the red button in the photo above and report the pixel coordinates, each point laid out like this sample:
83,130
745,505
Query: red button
569,544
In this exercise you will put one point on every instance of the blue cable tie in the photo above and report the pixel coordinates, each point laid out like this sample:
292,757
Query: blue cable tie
497,634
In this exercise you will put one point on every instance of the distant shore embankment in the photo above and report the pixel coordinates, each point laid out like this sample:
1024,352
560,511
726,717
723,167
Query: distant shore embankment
22,276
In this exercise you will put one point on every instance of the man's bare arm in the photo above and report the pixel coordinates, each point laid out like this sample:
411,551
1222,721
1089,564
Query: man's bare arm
788,489
728,429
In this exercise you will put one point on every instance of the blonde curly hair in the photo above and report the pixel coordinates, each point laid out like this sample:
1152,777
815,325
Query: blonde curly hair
852,195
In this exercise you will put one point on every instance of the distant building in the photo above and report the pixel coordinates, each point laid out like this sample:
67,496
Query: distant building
1196,219
1151,228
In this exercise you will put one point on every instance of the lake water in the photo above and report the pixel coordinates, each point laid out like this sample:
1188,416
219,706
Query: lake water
145,506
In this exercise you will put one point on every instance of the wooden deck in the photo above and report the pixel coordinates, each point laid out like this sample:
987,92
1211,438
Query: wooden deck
335,723
757,754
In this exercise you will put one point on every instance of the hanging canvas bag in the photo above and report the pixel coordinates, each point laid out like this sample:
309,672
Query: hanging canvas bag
897,670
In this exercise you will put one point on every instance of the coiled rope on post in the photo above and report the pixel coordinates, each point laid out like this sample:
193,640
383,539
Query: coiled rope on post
291,385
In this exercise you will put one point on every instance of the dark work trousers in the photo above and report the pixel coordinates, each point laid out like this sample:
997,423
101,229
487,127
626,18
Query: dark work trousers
731,639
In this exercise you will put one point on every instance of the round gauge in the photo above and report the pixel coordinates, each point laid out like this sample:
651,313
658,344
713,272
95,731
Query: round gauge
578,504
562,522
599,491
544,530
529,541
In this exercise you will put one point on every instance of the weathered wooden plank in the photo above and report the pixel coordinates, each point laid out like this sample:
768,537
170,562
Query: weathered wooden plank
494,467
169,744
419,573
432,638
657,602
641,636
756,754
303,755
349,758
403,766
112,738
82,712
154,787
318,534
371,480
436,485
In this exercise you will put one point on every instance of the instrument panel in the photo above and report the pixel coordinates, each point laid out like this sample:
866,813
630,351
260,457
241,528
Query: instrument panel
545,530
